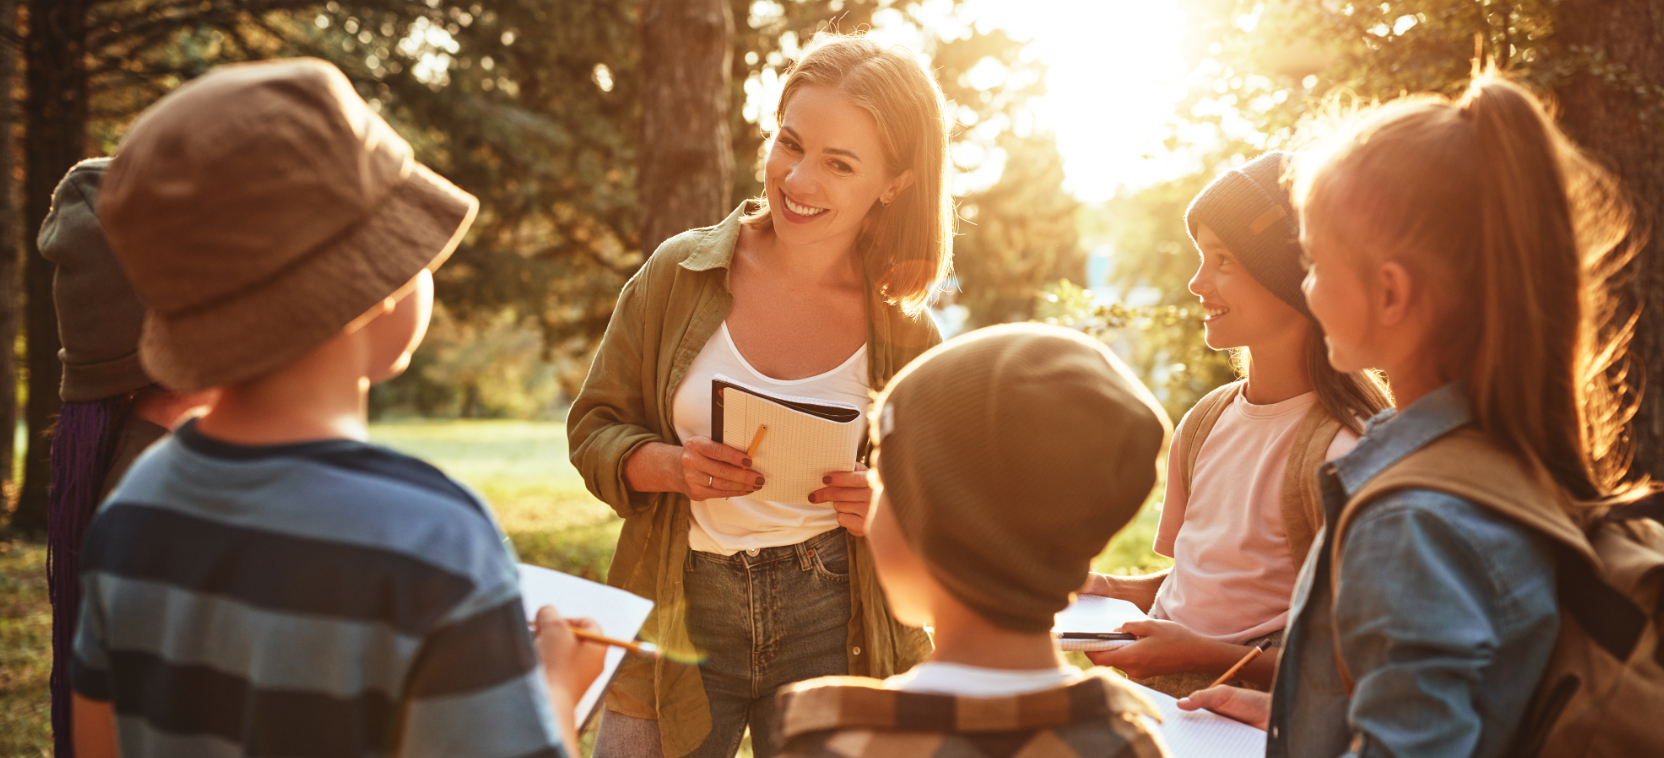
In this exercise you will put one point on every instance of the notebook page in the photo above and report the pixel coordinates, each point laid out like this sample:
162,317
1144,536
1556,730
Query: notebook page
619,613
798,450
1202,734
1095,613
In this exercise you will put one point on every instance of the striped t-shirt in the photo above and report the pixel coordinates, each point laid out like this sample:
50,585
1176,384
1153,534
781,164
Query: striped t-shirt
318,599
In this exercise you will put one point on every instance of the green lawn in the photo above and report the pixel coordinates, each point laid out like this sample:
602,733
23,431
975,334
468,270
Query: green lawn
519,466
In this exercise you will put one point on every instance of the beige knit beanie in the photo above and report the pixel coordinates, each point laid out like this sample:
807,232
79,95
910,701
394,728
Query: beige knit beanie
1010,456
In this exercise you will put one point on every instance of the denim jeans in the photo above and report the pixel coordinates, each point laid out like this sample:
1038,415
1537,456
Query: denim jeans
762,621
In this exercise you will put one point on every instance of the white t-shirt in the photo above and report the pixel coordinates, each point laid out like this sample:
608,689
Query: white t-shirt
1232,574
936,678
729,525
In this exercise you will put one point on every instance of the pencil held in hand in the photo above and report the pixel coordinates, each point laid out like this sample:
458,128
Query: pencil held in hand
639,648
1247,659
756,442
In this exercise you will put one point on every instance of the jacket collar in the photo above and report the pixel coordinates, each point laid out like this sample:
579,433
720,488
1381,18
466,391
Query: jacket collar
716,248
1393,434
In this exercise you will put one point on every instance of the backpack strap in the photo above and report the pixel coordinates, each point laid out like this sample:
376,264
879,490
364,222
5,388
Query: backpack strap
1466,464
1302,498
1196,425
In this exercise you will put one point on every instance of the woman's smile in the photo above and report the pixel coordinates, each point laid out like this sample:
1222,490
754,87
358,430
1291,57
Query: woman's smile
798,213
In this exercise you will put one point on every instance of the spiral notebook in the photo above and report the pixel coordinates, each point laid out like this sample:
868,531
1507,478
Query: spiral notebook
806,439
1202,734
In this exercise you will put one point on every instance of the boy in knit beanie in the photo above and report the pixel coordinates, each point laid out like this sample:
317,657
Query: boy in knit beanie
264,582
1006,459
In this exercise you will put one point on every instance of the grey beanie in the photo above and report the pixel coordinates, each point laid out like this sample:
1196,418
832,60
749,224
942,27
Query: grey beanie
99,317
1250,210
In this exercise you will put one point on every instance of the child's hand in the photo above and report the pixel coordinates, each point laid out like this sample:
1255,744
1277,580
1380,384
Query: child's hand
1249,707
569,664
1164,647
850,496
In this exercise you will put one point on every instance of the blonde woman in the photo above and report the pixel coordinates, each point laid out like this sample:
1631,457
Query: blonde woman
817,289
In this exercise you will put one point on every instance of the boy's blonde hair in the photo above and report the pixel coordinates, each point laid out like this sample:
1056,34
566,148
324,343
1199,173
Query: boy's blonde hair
1518,237
907,246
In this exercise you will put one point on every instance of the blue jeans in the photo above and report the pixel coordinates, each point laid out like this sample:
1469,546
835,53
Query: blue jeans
762,621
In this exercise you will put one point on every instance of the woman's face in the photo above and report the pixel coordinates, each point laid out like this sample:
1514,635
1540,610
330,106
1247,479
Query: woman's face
1338,298
1241,312
826,169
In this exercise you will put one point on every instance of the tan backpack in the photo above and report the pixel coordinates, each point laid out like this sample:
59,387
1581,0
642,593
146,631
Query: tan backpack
1302,502
1603,691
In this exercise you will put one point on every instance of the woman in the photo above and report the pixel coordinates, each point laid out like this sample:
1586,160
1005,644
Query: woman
818,289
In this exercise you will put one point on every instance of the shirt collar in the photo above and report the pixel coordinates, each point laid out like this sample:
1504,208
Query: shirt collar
1393,434
716,250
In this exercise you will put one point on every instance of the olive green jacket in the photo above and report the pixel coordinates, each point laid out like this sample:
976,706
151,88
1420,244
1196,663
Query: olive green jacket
664,317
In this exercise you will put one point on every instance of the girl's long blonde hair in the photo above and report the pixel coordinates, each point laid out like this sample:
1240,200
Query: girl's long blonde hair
1519,238
906,246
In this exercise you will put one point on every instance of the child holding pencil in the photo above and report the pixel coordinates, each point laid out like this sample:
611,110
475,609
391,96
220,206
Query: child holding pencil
1240,505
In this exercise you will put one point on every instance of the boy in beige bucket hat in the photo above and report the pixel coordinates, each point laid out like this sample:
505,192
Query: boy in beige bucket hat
1005,461
265,582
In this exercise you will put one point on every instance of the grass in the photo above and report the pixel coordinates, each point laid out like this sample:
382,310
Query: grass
519,466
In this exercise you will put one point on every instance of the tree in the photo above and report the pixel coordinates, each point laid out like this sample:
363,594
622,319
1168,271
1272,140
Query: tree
686,158
9,259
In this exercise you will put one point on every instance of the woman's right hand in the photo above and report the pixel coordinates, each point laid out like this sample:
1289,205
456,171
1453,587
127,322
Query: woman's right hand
709,469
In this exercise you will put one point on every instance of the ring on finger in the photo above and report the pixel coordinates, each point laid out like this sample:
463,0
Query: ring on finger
710,480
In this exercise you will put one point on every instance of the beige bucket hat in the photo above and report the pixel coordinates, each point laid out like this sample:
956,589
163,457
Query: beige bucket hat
258,210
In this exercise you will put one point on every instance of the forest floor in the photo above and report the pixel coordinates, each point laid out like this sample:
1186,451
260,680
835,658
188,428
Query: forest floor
520,467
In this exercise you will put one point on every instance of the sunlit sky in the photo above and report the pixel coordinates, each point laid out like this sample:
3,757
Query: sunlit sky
1115,70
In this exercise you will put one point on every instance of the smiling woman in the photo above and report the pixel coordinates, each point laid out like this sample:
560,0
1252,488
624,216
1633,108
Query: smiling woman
815,290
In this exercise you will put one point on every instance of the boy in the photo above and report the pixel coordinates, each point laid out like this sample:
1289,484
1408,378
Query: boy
1006,459
264,582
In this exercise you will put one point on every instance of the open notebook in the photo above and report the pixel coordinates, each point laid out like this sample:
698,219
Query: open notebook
1090,623
806,440
1202,734
619,613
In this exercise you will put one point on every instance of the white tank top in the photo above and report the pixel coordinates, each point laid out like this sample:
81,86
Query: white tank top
729,525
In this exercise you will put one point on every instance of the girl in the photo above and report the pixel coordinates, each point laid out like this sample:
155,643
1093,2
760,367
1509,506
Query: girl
816,290
1463,247
1240,507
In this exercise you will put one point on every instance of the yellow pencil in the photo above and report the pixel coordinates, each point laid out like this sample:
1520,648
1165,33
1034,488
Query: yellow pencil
1247,659
635,646
756,441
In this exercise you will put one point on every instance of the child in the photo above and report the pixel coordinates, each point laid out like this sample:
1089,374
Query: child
265,582
1006,459
1241,505
1463,248
112,409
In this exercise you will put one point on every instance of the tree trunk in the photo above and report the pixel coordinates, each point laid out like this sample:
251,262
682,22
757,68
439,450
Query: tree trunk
1625,130
9,259
686,160
55,128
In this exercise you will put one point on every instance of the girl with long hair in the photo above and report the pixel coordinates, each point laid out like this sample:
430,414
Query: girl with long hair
1467,249
1240,507
815,290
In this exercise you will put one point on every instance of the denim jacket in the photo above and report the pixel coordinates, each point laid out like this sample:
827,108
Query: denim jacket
1446,614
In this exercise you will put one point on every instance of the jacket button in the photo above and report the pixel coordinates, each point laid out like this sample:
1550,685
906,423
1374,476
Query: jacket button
856,651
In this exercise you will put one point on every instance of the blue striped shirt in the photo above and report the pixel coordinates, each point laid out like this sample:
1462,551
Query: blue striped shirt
318,599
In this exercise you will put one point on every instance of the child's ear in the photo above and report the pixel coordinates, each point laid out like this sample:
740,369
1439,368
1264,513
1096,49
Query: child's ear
1393,289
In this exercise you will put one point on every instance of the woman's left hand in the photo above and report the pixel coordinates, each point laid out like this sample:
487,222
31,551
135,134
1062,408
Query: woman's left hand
1164,647
850,496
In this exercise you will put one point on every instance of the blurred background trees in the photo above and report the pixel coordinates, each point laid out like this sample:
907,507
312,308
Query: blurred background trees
557,115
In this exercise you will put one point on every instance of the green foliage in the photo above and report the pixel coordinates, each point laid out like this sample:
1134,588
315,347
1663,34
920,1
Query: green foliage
1017,234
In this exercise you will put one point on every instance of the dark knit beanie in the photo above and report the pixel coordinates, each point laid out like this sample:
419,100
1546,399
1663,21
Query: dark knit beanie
99,317
1250,210
1010,456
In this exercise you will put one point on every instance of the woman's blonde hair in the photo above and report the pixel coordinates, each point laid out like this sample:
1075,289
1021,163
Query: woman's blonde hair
906,246
1519,238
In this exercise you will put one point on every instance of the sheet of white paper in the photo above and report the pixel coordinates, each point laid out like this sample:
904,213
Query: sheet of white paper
1095,613
619,613
1199,734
